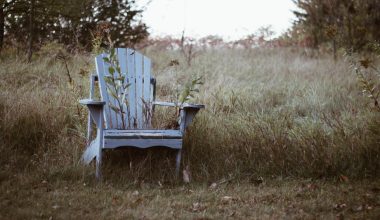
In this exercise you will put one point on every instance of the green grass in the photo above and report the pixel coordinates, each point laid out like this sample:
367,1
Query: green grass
270,113
273,199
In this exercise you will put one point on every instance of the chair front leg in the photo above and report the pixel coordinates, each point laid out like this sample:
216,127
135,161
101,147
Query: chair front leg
89,121
96,112
186,117
178,163
99,134
89,128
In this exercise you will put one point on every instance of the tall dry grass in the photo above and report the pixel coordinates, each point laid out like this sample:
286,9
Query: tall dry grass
40,126
274,112
269,112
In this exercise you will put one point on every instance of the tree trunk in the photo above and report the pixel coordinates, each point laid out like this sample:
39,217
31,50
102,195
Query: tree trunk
349,26
1,27
335,50
31,20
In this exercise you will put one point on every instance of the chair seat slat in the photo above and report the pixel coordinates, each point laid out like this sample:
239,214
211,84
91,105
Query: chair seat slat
143,134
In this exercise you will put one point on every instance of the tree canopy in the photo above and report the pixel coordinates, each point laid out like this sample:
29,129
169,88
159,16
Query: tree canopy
70,22
348,23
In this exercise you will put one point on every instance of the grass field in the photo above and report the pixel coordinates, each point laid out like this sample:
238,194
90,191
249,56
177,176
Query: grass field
283,135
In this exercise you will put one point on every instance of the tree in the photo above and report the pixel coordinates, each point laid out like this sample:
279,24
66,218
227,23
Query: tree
71,22
6,6
125,29
344,23
31,29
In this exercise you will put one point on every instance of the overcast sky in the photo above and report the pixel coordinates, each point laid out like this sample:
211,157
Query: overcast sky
231,19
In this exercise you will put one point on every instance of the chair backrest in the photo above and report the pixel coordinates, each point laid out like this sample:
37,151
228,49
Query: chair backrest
140,93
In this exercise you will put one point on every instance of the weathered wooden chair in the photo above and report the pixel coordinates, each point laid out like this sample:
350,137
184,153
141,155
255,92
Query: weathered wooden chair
137,130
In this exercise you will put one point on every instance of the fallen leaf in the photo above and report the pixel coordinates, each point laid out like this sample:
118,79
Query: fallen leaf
138,201
340,206
366,62
343,178
115,200
197,207
233,213
257,181
340,216
135,193
213,186
312,186
358,209
227,199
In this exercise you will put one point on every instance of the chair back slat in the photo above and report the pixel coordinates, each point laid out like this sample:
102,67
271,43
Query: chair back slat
121,56
131,76
137,70
139,89
110,116
147,92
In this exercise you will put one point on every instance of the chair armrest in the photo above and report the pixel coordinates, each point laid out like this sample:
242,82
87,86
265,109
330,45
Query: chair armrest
187,112
173,104
95,108
92,102
194,106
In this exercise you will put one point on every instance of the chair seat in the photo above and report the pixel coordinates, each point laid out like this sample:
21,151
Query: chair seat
142,134
142,138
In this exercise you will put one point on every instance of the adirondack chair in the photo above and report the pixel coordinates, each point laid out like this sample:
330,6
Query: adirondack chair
137,130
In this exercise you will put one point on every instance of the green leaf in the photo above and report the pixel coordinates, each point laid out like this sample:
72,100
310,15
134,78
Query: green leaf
114,108
118,68
106,59
112,54
126,86
121,78
111,70
108,80
113,94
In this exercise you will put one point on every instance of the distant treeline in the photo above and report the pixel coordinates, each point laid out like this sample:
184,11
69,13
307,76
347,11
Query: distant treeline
28,24
71,22
342,23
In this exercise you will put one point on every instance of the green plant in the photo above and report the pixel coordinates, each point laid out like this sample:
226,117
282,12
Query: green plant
368,75
117,85
190,89
116,82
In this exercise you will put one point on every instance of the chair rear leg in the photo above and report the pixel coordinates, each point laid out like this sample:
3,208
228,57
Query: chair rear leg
100,148
178,163
98,172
